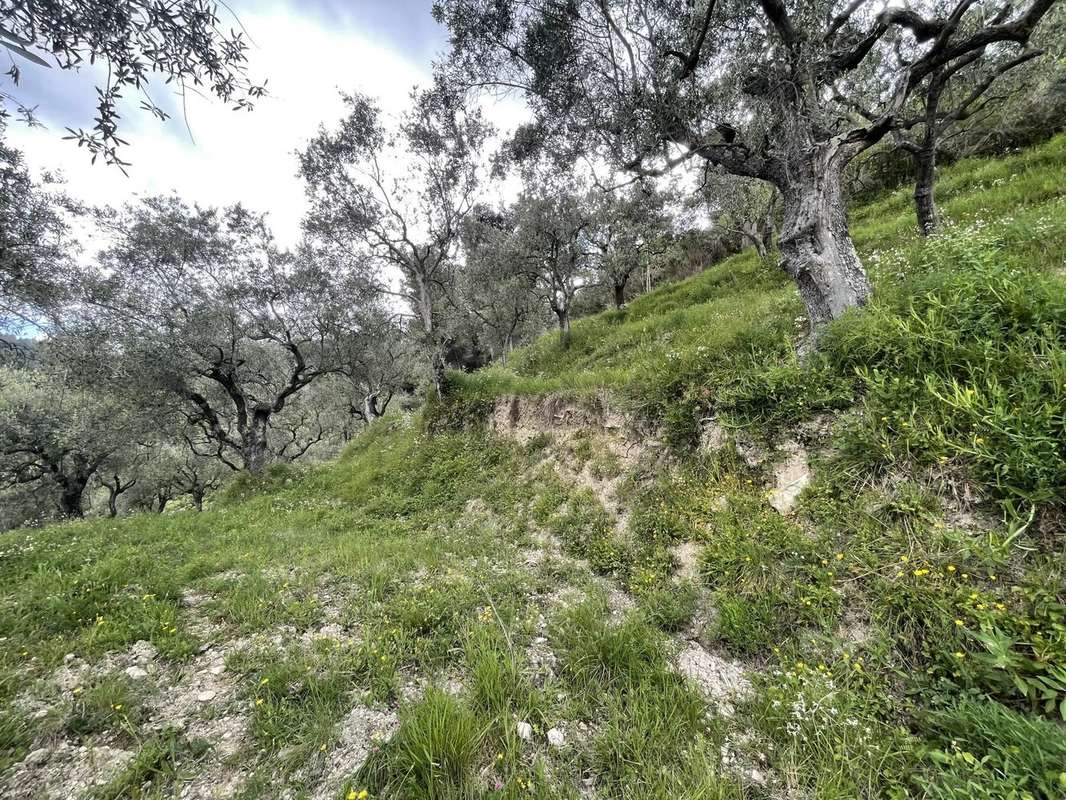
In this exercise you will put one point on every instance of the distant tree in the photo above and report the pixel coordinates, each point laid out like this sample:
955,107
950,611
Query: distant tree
495,290
957,94
55,437
627,230
378,361
183,43
198,476
745,207
203,307
551,247
787,93
399,197
119,473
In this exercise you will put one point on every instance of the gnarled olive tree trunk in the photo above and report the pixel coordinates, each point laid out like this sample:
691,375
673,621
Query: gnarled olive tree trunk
254,451
816,248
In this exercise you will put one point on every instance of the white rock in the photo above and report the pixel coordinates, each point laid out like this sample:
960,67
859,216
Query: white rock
205,697
525,731
556,738
38,757
790,477
136,673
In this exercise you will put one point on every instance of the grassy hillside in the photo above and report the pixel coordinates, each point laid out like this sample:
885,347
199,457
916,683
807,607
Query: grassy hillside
391,623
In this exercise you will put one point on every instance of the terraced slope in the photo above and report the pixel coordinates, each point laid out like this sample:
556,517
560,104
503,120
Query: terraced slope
674,561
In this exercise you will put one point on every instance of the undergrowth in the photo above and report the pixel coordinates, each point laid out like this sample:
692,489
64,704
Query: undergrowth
903,631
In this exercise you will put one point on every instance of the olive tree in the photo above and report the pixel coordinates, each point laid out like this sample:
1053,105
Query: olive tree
397,196
628,229
54,437
958,94
204,309
787,92
36,246
497,294
551,248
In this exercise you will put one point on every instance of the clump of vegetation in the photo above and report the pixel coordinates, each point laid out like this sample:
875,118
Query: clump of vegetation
901,630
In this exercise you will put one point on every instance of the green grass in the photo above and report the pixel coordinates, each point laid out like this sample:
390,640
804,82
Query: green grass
904,630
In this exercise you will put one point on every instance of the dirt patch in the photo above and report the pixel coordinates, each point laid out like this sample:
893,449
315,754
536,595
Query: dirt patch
687,555
525,418
791,476
64,771
719,679
361,732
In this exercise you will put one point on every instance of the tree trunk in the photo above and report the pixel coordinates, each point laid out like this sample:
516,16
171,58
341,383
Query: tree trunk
766,234
112,502
71,491
163,500
755,235
370,407
254,443
197,493
440,385
563,315
924,202
619,294
816,248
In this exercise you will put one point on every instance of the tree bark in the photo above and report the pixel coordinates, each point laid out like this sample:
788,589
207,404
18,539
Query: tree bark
197,494
924,201
563,316
370,407
254,442
71,491
112,502
619,294
816,249
440,385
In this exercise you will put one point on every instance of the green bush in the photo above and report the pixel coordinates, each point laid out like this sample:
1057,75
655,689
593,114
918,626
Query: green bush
964,361
431,755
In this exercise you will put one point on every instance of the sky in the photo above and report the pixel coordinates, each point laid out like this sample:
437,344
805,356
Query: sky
307,51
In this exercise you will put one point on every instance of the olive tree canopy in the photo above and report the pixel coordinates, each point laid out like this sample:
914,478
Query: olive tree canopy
202,306
397,196
787,92
186,44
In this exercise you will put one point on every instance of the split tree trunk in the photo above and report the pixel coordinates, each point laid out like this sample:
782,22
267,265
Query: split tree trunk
371,411
816,248
924,202
71,491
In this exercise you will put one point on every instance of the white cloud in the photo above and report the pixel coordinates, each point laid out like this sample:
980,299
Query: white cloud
239,156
